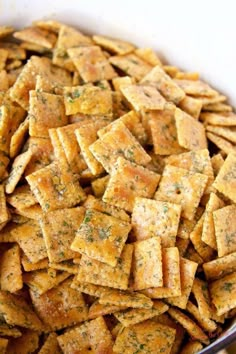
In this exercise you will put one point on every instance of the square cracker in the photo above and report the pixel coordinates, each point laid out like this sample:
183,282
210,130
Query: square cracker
167,87
119,141
17,170
191,105
223,119
122,298
42,154
88,288
18,138
223,293
171,275
97,309
191,133
129,181
225,229
18,312
38,36
88,99
146,337
95,272
27,234
226,146
11,274
59,229
114,45
131,64
147,264
196,88
46,111
228,133
225,181
91,63
50,345
29,266
220,267
148,55
60,307
182,187
152,218
208,230
143,97
22,197
133,316
55,188
187,274
163,130
101,237
99,186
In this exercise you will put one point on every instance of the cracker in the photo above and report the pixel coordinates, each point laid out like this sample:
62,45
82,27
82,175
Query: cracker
38,36
201,294
223,293
49,25
217,162
27,343
66,266
17,170
228,133
192,347
4,161
46,111
33,212
221,143
87,99
196,88
121,298
118,142
42,154
99,232
191,133
133,316
95,272
60,307
97,204
18,138
32,47
187,274
171,275
225,230
191,327
58,229
182,187
91,63
59,152
55,188
99,186
4,83
191,105
18,312
13,64
75,340
50,345
27,79
148,55
11,275
29,266
114,45
88,288
218,107
187,75
3,58
5,31
22,197
143,97
129,181
4,213
220,267
117,82
97,309
145,337
223,119
131,65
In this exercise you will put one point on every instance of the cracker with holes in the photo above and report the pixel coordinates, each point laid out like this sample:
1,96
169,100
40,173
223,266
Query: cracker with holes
131,65
41,281
225,230
191,105
18,312
68,37
55,187
208,230
95,272
187,274
93,203
196,88
145,337
129,181
38,36
101,237
171,275
147,264
91,63
86,135
11,274
58,229
152,218
131,317
27,79
113,45
122,298
60,307
191,133
220,267
223,293
143,97
46,111
182,187
118,142
225,181
88,99
163,83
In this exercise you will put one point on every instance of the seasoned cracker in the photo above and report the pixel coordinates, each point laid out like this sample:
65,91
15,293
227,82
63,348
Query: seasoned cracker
196,88
29,266
3,58
99,185
122,298
88,288
191,347
50,345
22,197
223,119
11,274
201,294
97,309
228,133
4,213
148,55
117,82
38,36
5,31
191,105
225,180
226,146
129,181
218,107
18,138
220,267
27,343
217,162
114,45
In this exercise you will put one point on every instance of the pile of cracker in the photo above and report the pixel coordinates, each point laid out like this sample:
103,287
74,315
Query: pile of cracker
118,192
